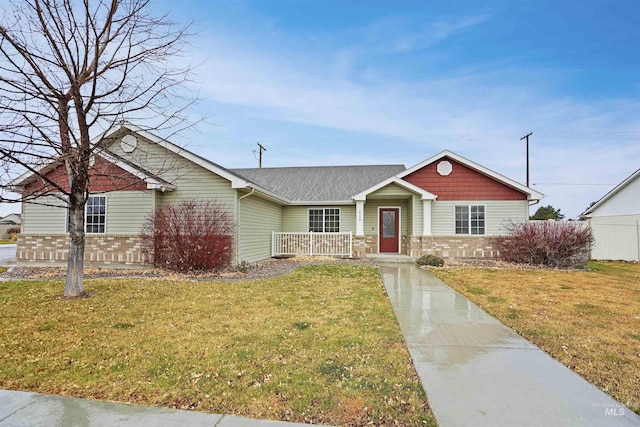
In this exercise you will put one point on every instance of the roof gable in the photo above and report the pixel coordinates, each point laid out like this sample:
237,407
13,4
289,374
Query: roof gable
466,180
399,182
623,199
236,181
108,172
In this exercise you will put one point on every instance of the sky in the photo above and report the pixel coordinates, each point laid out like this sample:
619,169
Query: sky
396,82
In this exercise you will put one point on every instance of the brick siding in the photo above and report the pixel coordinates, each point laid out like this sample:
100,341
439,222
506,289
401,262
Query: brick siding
452,246
443,246
99,249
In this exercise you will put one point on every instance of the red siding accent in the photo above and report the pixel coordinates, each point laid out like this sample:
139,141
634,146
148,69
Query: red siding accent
462,183
103,176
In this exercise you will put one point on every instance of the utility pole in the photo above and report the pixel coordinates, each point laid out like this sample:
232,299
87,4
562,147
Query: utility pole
527,138
261,149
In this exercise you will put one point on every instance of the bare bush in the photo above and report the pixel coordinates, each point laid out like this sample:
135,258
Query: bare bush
189,236
551,243
14,230
13,233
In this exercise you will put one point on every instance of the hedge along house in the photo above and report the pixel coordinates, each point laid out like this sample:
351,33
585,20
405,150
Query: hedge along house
446,205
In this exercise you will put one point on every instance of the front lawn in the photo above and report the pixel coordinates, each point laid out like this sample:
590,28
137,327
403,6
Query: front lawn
588,320
318,345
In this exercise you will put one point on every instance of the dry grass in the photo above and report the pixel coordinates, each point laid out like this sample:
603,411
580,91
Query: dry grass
318,345
588,320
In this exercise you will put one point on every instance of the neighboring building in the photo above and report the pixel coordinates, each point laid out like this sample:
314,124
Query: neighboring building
11,223
446,205
11,219
615,221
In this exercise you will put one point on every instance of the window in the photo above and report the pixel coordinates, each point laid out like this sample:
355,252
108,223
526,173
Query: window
469,219
324,220
96,214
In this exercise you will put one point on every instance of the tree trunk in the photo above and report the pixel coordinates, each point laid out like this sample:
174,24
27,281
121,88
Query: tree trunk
75,264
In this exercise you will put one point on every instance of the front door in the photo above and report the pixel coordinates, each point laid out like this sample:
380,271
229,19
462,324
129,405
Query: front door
389,230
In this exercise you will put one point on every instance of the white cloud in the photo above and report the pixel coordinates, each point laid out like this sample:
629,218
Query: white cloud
475,112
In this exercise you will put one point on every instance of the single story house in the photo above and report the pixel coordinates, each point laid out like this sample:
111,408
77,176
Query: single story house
615,221
446,205
9,223
11,219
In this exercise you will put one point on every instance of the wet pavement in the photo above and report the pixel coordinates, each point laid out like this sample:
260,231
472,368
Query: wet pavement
478,372
8,254
32,409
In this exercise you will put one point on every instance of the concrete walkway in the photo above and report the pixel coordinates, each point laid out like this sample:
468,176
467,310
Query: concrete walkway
32,409
478,372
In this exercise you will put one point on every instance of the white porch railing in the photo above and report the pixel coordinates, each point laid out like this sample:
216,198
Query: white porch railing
330,244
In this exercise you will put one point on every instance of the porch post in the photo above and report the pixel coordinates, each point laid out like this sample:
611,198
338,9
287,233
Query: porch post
359,217
426,217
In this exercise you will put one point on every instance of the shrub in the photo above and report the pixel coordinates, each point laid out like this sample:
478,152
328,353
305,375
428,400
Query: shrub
431,260
189,236
13,233
551,243
243,266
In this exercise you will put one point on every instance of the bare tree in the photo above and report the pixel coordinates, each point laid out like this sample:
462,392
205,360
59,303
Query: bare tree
69,70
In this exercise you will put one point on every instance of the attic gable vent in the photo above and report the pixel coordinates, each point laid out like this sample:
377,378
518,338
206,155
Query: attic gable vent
128,143
445,168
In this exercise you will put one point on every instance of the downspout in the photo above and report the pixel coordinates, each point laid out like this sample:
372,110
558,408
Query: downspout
253,190
535,202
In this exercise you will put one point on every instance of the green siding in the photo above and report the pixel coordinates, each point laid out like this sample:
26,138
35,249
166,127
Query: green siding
391,190
497,214
258,218
41,219
191,181
296,218
418,211
127,210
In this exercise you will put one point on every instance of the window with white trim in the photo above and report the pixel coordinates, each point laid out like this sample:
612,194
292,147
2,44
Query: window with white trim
326,220
95,219
470,219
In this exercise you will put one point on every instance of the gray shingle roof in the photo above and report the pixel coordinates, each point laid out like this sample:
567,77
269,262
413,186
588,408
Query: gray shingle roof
319,183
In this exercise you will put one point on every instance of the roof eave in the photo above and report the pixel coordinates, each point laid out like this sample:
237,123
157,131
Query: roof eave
615,190
320,202
362,196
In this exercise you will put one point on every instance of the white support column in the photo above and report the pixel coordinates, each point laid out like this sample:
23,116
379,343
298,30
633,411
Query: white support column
359,217
426,217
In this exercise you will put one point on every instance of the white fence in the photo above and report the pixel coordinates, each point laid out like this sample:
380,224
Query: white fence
329,244
616,241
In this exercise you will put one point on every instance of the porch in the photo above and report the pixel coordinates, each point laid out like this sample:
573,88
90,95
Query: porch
345,244
310,243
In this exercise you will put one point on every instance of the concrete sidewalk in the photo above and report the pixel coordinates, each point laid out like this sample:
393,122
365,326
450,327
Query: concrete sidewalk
478,372
34,409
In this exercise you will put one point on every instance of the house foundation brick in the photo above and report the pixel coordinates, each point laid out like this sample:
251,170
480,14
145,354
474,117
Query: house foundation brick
99,249
452,246
363,245
449,247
